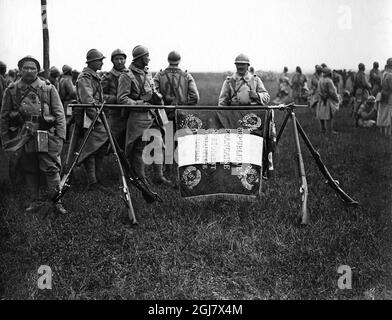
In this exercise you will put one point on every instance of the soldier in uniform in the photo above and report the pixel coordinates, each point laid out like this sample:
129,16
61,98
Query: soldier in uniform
314,85
11,77
283,87
3,82
361,88
75,75
32,126
375,79
89,91
177,88
117,117
327,102
298,85
384,114
54,75
242,88
67,91
137,88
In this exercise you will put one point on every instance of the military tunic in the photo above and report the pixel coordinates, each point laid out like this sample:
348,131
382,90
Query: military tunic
298,82
67,92
235,90
313,89
177,88
375,81
361,89
89,90
384,115
136,88
117,117
23,108
327,96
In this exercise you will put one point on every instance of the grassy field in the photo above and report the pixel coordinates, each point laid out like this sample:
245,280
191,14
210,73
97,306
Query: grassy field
215,249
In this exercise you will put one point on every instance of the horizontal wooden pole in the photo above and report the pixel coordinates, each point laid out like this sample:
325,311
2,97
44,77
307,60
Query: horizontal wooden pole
193,107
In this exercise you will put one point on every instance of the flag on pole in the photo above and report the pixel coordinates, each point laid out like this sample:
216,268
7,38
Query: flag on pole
220,152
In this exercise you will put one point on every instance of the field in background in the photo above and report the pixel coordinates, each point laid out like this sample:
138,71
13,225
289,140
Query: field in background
215,249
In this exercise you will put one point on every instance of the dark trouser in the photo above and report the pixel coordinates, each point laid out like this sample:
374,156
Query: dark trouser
47,163
137,123
93,165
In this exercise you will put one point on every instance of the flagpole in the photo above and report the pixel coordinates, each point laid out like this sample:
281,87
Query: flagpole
45,34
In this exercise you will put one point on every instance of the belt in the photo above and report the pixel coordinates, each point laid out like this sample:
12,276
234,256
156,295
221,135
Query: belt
32,118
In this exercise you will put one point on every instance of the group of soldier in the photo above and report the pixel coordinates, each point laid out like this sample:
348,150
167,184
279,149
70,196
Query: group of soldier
369,99
36,121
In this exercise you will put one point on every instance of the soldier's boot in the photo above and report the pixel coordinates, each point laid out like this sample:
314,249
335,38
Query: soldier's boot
32,182
138,167
89,166
99,168
159,178
53,181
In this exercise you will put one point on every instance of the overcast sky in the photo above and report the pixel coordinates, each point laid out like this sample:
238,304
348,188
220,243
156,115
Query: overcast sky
207,33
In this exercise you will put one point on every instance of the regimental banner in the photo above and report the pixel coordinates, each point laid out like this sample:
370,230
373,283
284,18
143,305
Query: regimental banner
220,152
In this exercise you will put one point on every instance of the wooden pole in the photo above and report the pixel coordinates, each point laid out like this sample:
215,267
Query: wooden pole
45,33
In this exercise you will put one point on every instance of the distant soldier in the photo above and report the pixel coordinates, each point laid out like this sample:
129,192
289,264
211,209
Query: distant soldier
367,113
54,75
137,88
117,117
177,88
298,85
3,81
75,75
314,85
375,79
328,102
384,116
11,77
336,79
32,127
283,87
361,88
89,91
67,91
243,88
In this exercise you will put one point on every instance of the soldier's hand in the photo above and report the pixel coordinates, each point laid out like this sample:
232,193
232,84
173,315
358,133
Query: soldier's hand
253,94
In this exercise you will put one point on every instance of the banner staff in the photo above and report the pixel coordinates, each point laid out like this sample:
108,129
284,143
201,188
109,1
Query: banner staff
45,34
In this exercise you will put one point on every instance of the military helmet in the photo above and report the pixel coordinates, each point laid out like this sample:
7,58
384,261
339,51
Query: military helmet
118,52
318,67
66,69
94,54
174,57
361,66
139,51
371,99
2,64
389,62
54,72
242,58
327,71
28,58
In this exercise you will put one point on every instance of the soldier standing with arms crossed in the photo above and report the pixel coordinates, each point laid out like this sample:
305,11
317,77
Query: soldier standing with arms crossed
32,109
